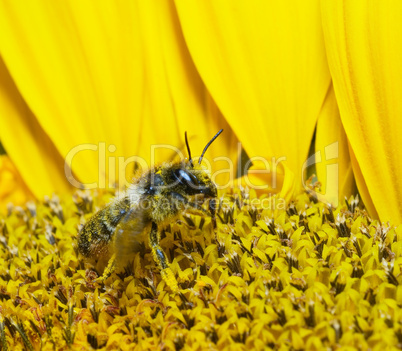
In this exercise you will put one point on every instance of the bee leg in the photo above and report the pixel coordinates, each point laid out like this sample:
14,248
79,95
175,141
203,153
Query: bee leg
161,259
111,265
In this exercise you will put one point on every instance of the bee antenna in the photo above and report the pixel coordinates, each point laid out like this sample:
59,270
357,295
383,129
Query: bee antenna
188,150
207,146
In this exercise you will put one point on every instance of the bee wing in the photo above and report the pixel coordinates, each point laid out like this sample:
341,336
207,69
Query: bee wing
128,235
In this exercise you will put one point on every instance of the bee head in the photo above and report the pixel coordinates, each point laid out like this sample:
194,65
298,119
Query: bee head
193,180
184,178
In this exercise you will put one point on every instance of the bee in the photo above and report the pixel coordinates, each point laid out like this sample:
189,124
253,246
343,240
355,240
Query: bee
155,198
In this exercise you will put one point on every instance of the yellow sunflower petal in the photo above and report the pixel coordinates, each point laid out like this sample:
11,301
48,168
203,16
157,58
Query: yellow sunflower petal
176,99
108,81
76,89
12,187
26,143
364,53
332,161
363,190
265,67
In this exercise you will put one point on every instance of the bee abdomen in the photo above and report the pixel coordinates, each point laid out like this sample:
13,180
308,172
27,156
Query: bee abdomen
97,234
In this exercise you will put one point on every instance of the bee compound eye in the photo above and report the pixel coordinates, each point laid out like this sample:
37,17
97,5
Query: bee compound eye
184,177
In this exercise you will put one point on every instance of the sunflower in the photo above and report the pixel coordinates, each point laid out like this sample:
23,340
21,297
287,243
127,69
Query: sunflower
93,92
